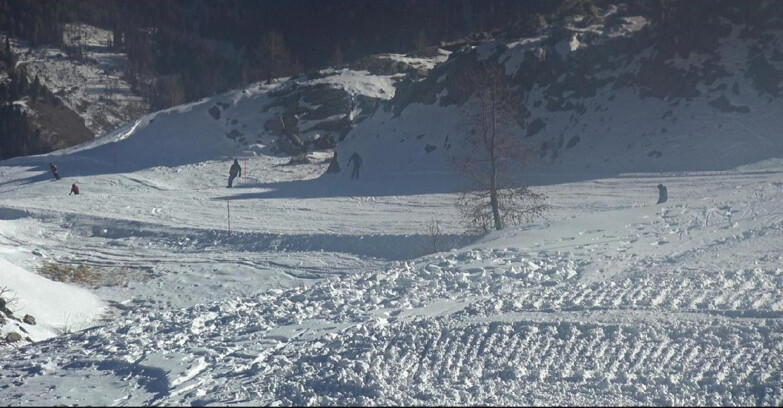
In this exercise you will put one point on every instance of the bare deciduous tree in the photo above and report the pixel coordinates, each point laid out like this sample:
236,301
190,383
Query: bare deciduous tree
494,113
435,234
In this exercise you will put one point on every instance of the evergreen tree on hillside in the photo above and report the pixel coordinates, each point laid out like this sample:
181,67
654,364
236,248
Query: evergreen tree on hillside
8,56
35,88
24,84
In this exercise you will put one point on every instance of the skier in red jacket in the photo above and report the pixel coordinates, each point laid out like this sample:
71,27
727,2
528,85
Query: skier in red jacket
74,189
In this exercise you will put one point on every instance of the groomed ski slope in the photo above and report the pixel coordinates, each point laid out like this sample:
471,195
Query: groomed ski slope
319,294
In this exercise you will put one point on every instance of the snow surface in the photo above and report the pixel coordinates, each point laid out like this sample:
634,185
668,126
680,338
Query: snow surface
610,130
418,62
330,291
321,295
56,306
359,82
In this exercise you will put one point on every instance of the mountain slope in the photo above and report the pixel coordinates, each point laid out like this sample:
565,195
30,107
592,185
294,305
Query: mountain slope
295,288
605,95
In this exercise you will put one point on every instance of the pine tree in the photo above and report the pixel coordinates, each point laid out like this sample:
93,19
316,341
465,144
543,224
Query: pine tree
24,84
35,88
337,57
7,54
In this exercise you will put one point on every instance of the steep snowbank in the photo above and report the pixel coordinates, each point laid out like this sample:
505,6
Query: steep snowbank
57,307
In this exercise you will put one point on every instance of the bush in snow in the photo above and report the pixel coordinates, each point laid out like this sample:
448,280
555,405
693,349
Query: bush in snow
84,274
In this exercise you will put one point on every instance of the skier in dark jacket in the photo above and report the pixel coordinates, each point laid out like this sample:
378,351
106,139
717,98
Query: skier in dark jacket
234,172
54,170
357,162
74,189
663,195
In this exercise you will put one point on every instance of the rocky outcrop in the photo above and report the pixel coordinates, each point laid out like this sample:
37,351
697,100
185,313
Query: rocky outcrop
305,110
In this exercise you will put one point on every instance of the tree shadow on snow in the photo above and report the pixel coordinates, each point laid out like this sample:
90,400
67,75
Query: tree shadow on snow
330,186
40,172
154,380
405,184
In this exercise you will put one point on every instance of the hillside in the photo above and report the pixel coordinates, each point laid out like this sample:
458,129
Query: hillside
90,84
603,95
297,287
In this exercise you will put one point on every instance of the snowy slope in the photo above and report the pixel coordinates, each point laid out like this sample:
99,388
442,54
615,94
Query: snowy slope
603,96
55,306
330,291
611,300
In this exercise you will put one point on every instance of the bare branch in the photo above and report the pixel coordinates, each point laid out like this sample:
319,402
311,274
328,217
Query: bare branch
494,112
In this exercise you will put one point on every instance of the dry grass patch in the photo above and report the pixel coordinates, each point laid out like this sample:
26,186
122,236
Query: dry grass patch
87,275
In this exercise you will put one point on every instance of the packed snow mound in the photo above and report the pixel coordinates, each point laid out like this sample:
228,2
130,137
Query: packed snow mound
56,307
487,324
607,94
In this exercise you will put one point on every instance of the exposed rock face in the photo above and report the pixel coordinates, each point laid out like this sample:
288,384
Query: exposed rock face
316,107
13,337
214,112
29,319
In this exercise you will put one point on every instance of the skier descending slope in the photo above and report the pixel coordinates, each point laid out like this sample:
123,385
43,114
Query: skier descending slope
54,170
234,172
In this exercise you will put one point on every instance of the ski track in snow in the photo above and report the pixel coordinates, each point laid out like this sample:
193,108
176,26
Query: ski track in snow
610,300
330,291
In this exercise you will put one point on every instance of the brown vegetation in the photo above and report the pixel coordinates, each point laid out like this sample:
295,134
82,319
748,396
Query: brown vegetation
85,275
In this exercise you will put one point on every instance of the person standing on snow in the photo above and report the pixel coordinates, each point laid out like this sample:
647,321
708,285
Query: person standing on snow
54,170
234,172
357,162
74,189
663,195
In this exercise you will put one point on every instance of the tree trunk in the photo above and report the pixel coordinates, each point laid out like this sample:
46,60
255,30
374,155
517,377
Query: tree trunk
493,195
493,181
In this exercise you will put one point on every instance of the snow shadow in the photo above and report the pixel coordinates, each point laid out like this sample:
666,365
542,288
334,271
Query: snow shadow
10,214
382,246
44,175
154,380
403,184
327,186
